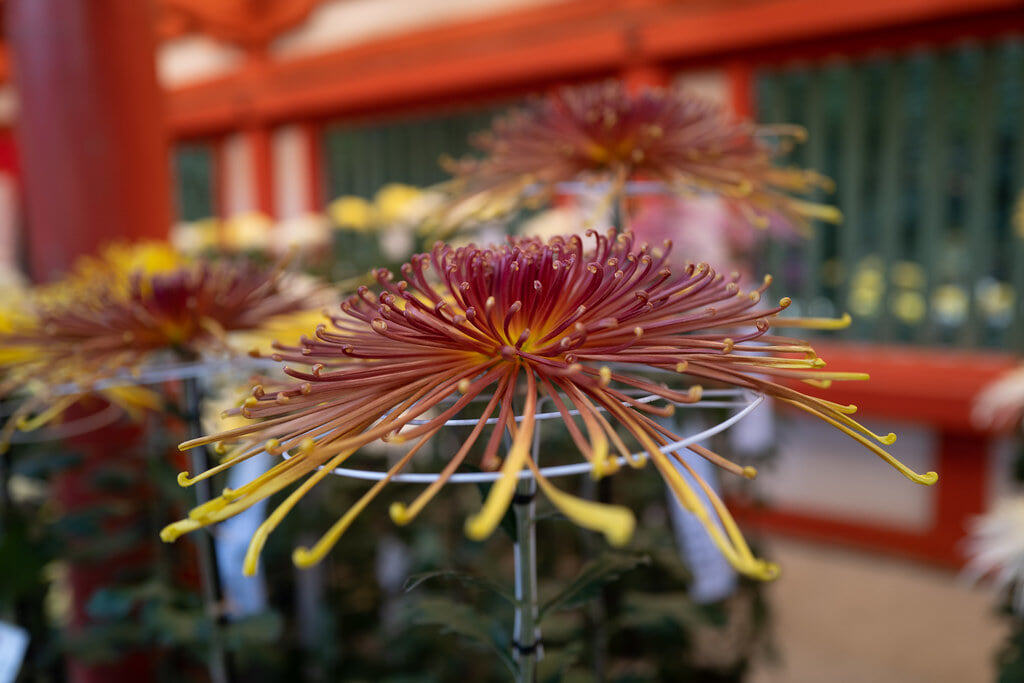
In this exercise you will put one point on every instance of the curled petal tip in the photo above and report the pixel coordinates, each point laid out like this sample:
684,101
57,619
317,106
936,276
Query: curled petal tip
171,532
603,467
888,439
620,533
479,527
928,478
764,571
249,566
303,558
399,514
183,479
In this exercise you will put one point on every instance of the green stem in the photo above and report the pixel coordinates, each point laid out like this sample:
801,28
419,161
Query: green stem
527,643
621,219
208,576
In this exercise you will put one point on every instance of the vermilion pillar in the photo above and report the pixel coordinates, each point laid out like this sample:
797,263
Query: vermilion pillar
741,88
90,128
315,199
258,137
93,150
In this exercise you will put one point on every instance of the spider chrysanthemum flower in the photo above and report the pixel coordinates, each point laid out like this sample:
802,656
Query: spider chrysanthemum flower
507,326
995,547
604,133
112,314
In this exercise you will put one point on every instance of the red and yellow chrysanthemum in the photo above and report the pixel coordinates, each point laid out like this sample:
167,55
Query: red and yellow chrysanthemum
506,326
604,133
115,311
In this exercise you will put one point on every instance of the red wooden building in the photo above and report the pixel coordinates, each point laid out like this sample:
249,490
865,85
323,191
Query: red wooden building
917,104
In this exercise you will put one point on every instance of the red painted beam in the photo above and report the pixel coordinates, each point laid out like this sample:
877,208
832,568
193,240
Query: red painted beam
698,30
934,386
921,546
528,50
337,84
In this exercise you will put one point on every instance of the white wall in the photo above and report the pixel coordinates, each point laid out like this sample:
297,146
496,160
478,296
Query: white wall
239,190
290,157
708,84
820,471
192,59
342,23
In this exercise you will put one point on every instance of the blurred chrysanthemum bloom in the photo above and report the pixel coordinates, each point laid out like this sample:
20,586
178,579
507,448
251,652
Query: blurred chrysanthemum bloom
394,204
250,231
383,230
1000,405
115,311
506,327
196,237
112,269
995,546
604,133
399,204
306,233
352,213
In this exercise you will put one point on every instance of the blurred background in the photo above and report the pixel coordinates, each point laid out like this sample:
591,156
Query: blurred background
122,119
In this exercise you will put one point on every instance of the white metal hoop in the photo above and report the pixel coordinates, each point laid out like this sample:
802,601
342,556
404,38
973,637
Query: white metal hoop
66,430
155,374
746,400
598,188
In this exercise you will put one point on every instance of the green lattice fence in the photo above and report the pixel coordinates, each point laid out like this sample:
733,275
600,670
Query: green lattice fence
927,149
193,180
361,157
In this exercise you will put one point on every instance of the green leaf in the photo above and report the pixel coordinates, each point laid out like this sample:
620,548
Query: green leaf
110,603
465,579
41,463
595,574
22,559
554,665
117,602
671,609
467,622
263,628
